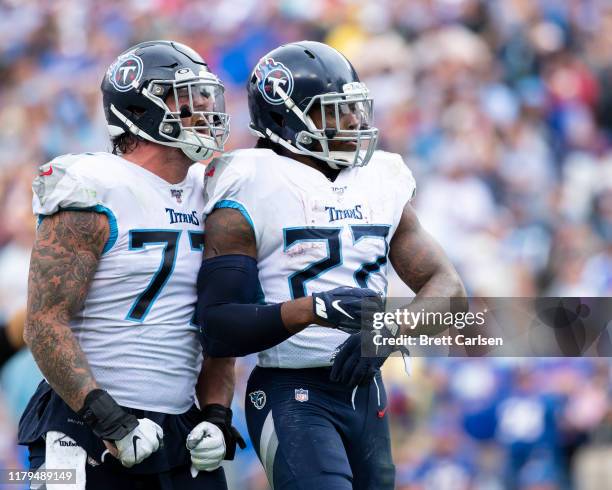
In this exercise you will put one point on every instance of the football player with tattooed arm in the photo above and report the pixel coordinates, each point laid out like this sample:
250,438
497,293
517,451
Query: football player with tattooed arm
298,234
112,292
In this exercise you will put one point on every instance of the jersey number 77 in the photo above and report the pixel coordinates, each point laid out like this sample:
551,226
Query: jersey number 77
138,239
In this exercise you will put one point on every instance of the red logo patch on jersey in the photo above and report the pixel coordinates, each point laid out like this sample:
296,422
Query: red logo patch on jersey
210,172
46,173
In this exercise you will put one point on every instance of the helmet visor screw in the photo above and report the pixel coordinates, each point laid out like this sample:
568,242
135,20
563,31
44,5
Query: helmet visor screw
167,128
157,90
305,139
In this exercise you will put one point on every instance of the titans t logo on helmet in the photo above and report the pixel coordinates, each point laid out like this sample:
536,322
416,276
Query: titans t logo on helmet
272,75
126,73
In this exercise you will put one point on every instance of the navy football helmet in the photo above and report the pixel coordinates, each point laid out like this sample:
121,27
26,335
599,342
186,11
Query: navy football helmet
163,92
298,94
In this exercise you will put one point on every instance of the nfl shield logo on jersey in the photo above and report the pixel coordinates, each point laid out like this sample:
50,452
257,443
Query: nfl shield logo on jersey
301,395
258,399
177,194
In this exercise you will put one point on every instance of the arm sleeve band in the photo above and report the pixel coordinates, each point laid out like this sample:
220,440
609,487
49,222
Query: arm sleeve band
232,324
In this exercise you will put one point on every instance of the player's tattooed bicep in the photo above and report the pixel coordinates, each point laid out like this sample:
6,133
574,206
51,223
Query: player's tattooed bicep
226,231
418,258
64,261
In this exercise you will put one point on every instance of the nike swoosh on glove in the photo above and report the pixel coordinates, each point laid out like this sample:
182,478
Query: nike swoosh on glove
140,443
207,446
347,308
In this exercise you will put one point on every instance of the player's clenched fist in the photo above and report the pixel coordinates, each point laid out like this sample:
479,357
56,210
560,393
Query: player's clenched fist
213,440
207,446
139,444
134,439
347,308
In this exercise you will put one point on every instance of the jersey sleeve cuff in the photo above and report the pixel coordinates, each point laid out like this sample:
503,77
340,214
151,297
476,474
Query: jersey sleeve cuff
228,203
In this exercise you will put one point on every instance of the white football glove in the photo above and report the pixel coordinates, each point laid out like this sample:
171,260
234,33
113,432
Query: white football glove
140,443
207,447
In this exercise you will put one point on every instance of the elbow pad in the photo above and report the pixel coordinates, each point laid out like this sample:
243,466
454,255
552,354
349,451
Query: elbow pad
233,321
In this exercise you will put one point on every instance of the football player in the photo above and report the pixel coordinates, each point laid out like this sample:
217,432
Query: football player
112,289
303,225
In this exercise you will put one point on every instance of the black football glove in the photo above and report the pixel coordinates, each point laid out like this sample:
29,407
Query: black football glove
353,366
107,419
349,367
222,417
135,439
347,308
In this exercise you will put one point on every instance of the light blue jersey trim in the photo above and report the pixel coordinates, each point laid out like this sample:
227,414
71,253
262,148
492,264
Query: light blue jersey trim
228,203
112,222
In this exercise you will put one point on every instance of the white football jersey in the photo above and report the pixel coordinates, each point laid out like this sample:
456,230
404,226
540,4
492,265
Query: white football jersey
135,327
312,234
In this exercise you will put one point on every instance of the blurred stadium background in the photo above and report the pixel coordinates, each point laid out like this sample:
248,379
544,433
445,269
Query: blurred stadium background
503,111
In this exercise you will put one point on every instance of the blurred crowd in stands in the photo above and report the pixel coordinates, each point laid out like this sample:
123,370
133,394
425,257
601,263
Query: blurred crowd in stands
503,111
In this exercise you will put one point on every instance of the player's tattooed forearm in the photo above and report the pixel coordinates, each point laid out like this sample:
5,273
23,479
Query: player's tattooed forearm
228,232
61,360
64,260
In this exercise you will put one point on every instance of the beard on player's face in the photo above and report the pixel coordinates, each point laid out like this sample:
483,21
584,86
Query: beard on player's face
349,119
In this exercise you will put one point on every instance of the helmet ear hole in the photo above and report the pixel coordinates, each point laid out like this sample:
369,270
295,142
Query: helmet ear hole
278,119
137,111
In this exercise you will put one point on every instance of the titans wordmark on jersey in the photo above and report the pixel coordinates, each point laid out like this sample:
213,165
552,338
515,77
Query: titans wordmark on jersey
312,234
135,327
